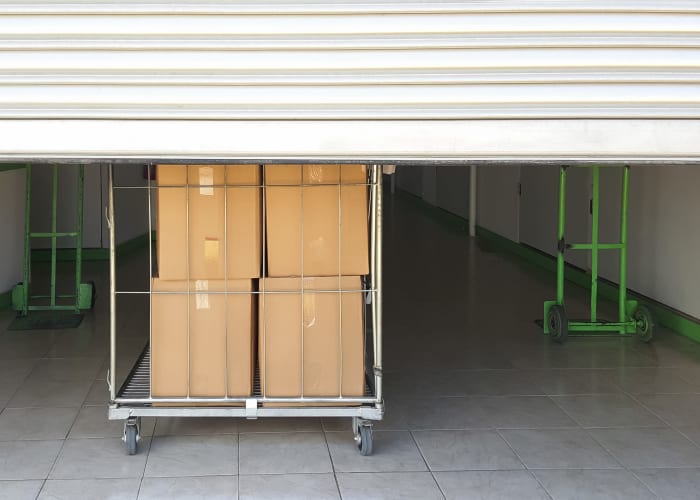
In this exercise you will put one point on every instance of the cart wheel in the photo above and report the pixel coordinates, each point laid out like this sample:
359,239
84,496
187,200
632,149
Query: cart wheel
365,442
131,436
645,323
93,295
558,323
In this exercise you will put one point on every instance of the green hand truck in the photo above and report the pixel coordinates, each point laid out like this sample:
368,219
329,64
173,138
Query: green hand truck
84,294
633,317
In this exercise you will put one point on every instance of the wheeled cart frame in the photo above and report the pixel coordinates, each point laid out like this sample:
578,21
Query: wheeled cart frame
134,399
633,318
84,293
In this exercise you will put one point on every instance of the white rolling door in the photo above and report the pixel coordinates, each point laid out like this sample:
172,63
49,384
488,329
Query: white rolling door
388,79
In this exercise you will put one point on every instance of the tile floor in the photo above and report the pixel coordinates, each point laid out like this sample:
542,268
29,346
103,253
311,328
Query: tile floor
479,404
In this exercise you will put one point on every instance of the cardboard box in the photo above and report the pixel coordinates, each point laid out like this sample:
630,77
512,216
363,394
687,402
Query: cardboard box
330,212
223,230
221,338
280,337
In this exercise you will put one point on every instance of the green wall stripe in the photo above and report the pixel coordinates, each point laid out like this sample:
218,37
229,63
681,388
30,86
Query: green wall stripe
665,315
12,166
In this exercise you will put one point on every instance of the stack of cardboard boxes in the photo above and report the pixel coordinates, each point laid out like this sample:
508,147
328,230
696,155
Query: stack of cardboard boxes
307,318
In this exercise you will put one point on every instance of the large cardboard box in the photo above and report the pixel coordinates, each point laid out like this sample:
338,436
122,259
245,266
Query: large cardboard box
323,319
221,234
329,214
220,349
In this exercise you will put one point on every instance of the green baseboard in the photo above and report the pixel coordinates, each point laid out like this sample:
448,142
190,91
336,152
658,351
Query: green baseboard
665,315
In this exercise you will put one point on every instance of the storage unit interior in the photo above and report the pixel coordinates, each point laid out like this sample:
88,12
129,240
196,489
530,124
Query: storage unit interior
470,379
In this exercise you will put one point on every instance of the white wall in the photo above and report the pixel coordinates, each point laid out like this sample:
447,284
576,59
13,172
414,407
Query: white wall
130,205
12,190
445,187
498,200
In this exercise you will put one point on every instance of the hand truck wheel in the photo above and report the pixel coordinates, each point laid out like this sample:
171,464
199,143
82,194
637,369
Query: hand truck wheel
645,323
558,323
364,443
131,435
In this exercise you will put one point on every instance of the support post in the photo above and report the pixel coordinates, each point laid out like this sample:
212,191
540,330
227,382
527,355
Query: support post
594,243
622,309
560,235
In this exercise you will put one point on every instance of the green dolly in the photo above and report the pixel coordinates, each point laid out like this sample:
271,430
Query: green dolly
633,317
84,295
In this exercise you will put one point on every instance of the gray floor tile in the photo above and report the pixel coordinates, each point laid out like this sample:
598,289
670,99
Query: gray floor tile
558,449
466,450
50,393
288,487
80,342
692,433
593,485
490,383
394,451
284,453
92,422
521,412
490,485
388,486
174,456
27,459
195,426
66,369
337,424
435,413
19,345
607,410
655,380
672,484
571,382
19,490
675,409
98,394
176,488
99,458
281,425
13,373
90,489
36,423
649,447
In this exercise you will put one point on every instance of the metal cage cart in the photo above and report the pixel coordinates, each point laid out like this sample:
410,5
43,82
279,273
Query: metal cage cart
135,399
633,318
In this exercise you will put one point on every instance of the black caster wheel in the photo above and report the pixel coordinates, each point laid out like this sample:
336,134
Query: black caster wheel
558,324
364,443
131,437
645,323
93,296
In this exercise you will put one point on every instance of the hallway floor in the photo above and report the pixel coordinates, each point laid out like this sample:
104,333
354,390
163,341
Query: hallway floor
479,404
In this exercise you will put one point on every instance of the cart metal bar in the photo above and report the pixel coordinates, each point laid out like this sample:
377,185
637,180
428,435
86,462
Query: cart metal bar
594,244
54,216
52,307
560,234
365,412
238,292
112,289
583,326
150,274
622,308
377,275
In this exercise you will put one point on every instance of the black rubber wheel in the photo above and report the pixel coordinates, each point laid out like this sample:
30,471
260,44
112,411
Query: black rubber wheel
645,323
365,443
131,433
94,294
558,324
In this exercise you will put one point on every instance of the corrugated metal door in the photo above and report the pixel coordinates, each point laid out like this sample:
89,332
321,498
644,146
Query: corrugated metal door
356,79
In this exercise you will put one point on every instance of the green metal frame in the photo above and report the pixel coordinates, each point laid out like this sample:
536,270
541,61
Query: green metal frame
625,324
83,296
